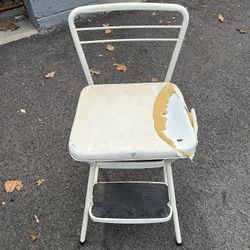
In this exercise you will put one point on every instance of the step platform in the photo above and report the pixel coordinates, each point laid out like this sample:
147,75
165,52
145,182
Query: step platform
130,202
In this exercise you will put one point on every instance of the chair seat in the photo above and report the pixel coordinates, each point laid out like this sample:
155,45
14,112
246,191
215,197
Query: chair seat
114,122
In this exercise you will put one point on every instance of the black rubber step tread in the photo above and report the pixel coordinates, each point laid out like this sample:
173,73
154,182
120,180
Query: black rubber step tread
130,200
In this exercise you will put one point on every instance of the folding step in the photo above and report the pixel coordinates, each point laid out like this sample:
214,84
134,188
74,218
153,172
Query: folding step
130,202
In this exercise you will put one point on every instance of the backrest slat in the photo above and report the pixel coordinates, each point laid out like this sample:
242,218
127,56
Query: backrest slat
128,7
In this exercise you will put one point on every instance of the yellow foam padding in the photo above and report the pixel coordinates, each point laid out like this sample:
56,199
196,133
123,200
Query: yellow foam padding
160,118
159,111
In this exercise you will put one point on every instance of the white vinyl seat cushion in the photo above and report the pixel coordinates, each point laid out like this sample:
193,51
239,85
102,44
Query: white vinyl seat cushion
114,122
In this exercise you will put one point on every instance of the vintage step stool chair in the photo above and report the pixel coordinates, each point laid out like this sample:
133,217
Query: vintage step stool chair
131,126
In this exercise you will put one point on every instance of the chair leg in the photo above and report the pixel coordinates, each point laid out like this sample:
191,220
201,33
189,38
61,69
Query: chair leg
96,175
91,180
173,202
165,175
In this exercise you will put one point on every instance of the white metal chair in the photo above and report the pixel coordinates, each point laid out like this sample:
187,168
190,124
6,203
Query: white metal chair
131,126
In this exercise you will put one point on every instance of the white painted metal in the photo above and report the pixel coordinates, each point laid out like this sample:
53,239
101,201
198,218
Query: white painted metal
130,164
96,174
130,40
172,201
88,201
165,177
127,7
131,27
177,47
130,221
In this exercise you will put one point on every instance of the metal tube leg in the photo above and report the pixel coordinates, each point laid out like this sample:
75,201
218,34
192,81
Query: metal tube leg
173,202
92,171
96,175
165,175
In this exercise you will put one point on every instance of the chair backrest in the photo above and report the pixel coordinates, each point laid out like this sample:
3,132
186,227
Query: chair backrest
90,9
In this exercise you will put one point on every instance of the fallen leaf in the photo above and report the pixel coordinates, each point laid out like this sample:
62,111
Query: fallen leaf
33,237
160,21
94,72
36,218
8,26
110,47
242,31
50,74
107,30
221,18
120,67
10,186
23,111
153,13
40,182
154,79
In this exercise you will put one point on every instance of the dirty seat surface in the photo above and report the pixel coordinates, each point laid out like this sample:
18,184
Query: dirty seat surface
114,122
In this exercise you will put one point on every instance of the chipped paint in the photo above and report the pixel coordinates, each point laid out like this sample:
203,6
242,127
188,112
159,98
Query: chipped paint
159,112
160,115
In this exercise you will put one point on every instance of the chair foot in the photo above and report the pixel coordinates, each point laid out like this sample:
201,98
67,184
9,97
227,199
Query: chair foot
178,243
82,242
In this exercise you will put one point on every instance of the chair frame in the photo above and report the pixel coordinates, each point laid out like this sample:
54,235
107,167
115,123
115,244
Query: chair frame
126,7
165,164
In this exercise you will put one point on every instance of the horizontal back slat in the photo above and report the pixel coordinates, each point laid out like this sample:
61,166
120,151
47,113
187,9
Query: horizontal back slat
132,27
131,40
128,7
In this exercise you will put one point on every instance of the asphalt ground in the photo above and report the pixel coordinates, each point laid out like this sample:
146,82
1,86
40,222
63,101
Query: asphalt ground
212,191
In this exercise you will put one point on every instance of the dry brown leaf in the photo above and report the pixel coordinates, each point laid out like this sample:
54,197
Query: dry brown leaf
33,237
94,72
155,80
23,111
161,21
40,182
107,30
10,186
242,31
221,18
50,74
8,26
121,67
110,47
